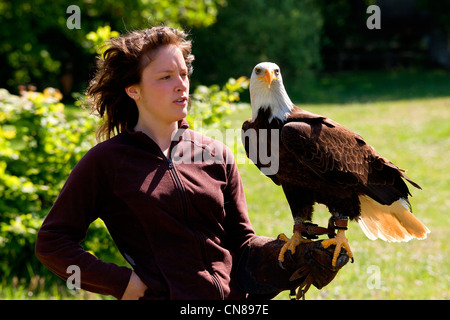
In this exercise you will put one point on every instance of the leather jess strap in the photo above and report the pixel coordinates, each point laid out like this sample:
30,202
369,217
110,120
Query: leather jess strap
312,231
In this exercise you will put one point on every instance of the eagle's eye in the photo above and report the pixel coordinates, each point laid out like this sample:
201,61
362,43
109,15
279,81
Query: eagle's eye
277,72
257,70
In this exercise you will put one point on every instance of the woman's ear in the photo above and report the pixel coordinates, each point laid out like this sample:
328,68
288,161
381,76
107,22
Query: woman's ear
132,92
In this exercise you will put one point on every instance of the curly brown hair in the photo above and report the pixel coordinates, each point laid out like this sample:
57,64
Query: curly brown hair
121,66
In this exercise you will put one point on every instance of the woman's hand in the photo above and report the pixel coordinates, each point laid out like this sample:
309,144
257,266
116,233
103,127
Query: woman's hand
135,288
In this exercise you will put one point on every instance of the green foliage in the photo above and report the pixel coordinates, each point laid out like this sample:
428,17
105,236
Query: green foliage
37,47
181,13
99,37
38,148
211,104
248,32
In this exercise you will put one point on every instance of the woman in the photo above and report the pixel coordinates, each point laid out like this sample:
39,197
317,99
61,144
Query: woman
180,225
179,220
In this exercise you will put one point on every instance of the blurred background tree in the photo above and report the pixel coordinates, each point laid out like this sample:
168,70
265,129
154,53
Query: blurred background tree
304,37
247,32
37,47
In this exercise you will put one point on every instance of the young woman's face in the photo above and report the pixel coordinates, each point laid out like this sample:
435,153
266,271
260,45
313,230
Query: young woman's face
163,91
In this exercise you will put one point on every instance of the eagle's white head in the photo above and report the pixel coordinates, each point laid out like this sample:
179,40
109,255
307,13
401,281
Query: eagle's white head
267,91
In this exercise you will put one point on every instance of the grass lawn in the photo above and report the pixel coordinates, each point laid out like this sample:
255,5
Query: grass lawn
414,134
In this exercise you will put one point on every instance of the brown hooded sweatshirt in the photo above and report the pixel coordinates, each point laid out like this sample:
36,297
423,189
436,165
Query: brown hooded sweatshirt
180,221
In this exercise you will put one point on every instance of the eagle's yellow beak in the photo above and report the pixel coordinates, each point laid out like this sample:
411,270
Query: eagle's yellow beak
268,77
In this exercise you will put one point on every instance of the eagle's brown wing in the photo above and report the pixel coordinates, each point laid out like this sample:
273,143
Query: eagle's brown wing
342,157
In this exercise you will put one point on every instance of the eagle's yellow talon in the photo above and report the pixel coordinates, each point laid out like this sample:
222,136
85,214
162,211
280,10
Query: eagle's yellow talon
283,237
339,241
290,245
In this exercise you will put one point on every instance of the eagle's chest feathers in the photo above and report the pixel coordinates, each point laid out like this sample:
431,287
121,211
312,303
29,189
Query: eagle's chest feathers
294,172
289,169
275,106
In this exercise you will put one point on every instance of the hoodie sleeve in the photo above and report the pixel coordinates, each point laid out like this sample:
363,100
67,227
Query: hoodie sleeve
64,228
237,224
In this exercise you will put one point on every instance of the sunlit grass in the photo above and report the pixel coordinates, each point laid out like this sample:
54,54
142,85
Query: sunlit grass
38,288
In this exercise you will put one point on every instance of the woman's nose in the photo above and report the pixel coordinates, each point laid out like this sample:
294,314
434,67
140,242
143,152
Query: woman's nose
182,84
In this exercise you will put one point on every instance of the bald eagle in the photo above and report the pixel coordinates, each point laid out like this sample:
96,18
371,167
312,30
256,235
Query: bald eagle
320,161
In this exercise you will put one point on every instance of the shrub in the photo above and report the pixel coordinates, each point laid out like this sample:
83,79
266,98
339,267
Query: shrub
210,104
38,148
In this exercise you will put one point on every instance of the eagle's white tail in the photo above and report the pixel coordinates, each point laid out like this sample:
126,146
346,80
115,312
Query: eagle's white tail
390,222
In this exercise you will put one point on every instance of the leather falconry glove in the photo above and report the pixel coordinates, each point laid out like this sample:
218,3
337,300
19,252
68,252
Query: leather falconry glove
260,275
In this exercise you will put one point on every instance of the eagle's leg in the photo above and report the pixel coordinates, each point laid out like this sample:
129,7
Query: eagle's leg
290,245
301,201
340,240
